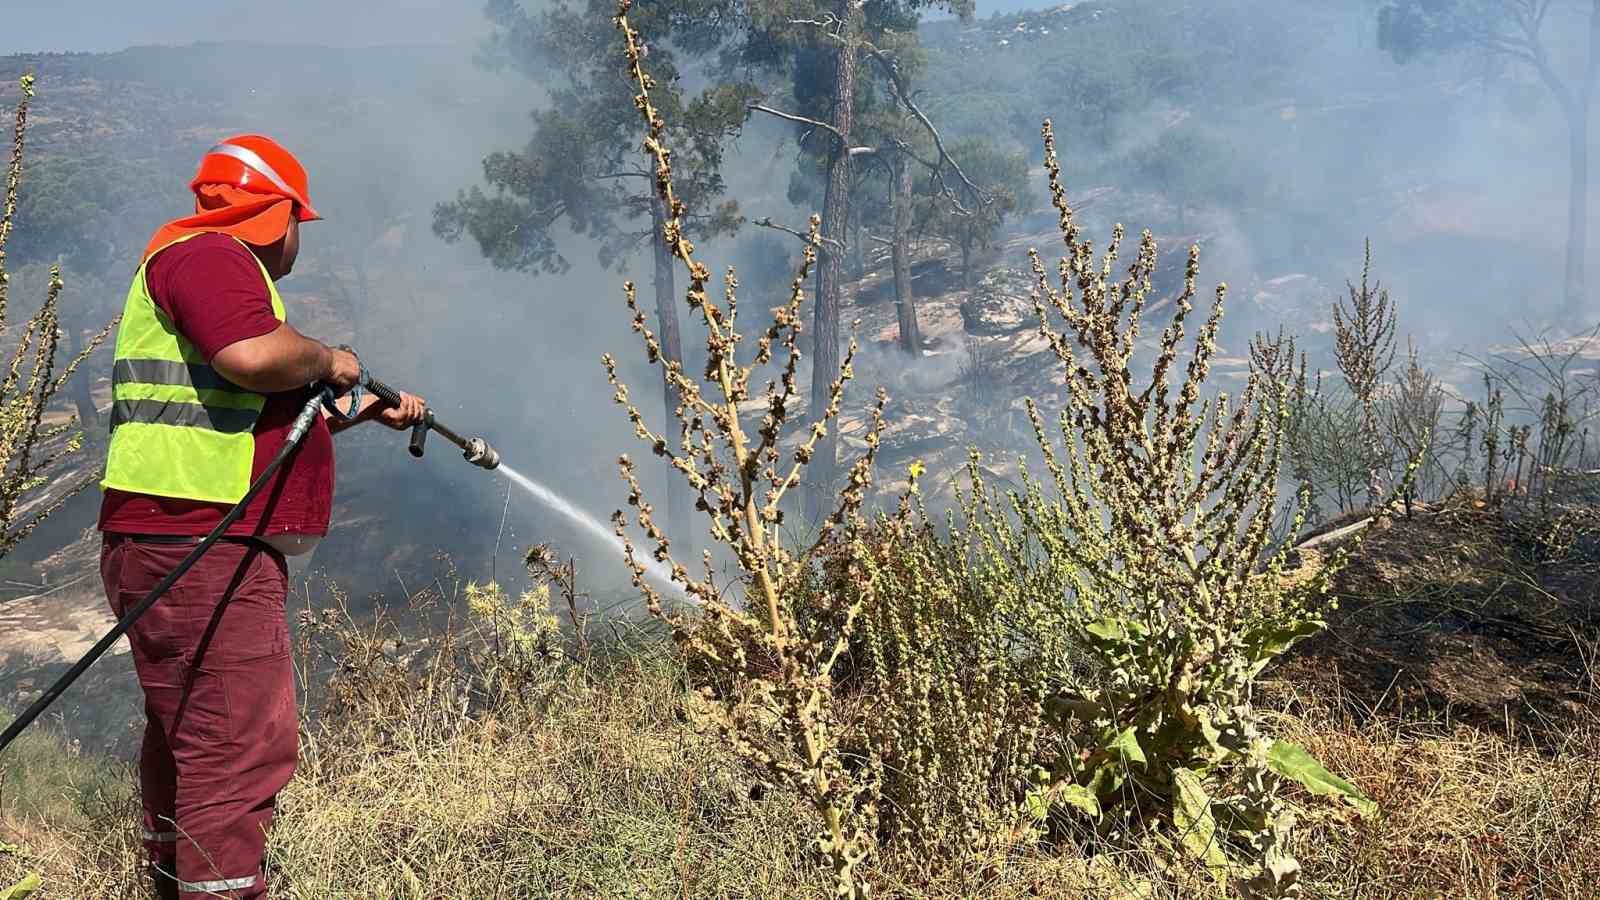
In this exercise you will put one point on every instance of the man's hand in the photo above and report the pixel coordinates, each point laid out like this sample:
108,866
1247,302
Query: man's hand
344,370
401,417
408,413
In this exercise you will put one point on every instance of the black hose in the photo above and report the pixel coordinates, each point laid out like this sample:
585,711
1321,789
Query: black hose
302,424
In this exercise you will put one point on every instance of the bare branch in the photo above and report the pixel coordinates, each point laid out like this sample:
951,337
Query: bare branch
891,71
803,120
804,238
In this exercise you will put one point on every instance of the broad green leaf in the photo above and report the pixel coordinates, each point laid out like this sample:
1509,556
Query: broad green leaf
1038,805
1209,731
1191,814
1106,779
1114,629
1040,802
1293,762
1126,746
1079,796
1075,708
23,888
1269,642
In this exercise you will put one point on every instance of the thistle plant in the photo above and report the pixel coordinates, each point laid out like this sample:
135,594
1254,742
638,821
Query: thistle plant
1490,442
761,660
1464,442
31,450
524,638
1162,512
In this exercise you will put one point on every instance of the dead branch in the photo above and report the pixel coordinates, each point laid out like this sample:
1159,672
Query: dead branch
804,238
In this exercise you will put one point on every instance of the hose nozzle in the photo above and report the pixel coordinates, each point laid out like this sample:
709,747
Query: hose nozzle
474,450
478,452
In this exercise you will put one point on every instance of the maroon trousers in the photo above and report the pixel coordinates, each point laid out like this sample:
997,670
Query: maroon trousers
220,733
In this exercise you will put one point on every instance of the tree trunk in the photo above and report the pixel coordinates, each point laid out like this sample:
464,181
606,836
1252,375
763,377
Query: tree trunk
966,266
822,472
679,503
1577,208
81,385
1578,194
904,303
858,247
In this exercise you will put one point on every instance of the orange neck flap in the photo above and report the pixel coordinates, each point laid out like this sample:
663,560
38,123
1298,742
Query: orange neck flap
259,220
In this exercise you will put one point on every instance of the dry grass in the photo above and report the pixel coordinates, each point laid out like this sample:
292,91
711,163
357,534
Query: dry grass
595,790
592,787
1467,813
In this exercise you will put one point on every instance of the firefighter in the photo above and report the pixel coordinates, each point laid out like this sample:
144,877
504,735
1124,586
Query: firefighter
207,379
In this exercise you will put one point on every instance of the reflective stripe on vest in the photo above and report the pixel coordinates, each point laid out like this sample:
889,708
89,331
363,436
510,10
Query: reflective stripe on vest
178,427
163,371
189,415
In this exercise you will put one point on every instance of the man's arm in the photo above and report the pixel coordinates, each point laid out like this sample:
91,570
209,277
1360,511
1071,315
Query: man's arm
284,360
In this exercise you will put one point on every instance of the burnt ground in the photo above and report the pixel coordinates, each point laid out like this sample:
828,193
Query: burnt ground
1463,614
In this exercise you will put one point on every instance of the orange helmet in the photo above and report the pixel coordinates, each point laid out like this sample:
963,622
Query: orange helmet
260,165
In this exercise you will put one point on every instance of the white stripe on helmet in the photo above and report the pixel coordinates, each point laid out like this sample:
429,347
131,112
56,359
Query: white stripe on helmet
253,160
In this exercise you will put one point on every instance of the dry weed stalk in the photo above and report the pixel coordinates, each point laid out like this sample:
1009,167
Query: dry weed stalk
762,669
1364,347
1273,358
561,577
1412,421
30,449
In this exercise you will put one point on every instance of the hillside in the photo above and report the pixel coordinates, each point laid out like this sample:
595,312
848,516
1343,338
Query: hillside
1284,252
1139,600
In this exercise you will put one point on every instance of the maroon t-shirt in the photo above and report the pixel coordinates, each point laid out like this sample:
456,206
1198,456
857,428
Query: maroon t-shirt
212,290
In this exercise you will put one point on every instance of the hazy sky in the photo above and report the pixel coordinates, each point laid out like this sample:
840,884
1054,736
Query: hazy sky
115,24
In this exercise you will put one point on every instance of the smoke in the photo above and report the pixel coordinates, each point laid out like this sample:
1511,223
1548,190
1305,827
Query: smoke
1459,183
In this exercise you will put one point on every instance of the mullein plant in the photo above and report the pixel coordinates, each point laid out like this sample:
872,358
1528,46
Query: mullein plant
1162,508
762,663
958,647
31,451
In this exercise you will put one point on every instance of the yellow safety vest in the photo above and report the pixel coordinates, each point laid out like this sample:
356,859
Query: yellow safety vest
178,428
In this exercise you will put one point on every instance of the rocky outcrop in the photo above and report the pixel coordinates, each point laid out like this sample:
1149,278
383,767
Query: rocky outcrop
1001,304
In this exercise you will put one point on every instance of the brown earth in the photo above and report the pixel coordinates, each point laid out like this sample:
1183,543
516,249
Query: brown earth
1460,614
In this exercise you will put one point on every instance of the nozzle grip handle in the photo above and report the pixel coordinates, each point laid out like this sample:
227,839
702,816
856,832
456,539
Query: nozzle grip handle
385,393
419,434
